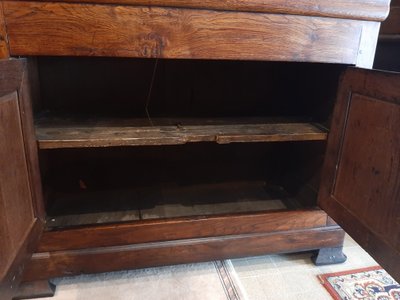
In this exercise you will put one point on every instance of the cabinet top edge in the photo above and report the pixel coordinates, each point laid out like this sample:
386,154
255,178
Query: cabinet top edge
370,10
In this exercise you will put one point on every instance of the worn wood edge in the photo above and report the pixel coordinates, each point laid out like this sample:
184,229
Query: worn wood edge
384,253
350,9
26,95
367,46
9,284
183,33
66,263
178,228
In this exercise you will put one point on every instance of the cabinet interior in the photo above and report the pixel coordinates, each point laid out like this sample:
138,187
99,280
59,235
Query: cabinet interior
136,139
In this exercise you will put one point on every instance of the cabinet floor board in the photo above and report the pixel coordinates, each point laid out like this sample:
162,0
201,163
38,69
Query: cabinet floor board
163,202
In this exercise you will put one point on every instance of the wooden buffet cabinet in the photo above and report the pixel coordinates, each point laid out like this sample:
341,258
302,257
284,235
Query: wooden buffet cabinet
140,133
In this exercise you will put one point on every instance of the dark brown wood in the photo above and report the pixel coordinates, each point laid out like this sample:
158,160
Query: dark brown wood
115,132
20,75
11,73
342,31
53,264
179,228
9,284
95,30
29,94
360,184
164,202
4,52
35,289
346,9
20,229
392,24
15,194
78,86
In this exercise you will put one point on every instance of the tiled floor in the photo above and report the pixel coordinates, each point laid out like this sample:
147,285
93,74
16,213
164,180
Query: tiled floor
290,276
293,276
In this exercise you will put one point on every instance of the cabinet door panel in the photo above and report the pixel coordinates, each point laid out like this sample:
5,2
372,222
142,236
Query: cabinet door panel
19,226
361,180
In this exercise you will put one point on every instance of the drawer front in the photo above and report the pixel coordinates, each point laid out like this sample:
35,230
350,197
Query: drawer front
128,31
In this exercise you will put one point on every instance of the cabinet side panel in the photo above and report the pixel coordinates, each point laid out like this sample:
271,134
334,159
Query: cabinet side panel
28,95
17,216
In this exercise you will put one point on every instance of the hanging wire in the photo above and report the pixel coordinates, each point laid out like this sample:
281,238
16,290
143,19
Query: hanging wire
150,91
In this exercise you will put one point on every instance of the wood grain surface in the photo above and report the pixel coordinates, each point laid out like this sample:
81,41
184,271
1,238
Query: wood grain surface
16,213
179,228
115,132
4,53
360,184
346,9
61,263
99,30
19,228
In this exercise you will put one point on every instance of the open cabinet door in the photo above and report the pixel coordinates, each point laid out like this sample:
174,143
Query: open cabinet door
20,221
360,186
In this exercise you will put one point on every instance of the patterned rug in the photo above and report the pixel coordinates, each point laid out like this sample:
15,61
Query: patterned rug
363,284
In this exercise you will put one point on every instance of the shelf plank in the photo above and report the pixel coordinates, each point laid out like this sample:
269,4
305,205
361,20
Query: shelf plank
64,133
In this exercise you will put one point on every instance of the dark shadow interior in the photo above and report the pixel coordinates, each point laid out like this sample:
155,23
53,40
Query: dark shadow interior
115,184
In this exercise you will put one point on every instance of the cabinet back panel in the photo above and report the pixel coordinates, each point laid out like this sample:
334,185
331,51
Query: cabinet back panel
172,181
387,55
139,182
189,88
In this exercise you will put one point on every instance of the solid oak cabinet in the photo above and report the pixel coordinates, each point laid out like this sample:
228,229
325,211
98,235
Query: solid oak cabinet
137,134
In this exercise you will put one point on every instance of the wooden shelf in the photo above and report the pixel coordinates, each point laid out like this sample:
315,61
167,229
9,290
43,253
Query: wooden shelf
53,133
